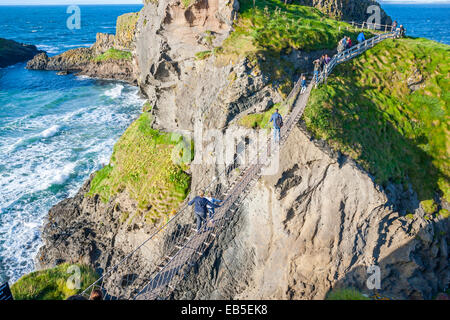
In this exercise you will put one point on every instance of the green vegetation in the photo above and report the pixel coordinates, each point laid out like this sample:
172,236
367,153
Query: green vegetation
203,55
113,54
52,284
270,30
260,120
125,29
429,206
142,164
346,294
444,213
187,3
388,110
276,27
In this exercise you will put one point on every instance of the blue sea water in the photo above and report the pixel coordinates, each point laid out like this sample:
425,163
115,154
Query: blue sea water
430,21
54,130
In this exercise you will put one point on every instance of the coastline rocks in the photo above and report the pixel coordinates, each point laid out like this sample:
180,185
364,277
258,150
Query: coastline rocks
83,62
12,52
110,57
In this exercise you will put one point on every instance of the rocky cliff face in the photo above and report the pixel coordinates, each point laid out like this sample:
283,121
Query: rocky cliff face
348,10
177,85
319,223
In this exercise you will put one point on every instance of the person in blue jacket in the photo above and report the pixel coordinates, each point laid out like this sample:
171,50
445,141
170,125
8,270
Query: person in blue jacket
211,210
200,208
277,120
361,37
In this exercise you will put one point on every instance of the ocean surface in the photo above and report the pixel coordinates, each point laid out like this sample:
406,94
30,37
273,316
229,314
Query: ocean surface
56,130
430,21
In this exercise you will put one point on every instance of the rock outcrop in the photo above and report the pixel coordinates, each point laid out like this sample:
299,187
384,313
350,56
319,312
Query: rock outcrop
95,61
317,224
348,10
12,52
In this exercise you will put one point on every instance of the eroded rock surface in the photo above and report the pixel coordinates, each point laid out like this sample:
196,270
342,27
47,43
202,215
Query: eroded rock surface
317,224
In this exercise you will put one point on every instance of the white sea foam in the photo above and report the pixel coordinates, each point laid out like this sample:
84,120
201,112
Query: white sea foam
43,167
47,48
115,92
64,174
50,132
82,77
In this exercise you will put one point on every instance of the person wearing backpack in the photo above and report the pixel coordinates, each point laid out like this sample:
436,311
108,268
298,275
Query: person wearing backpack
361,37
277,120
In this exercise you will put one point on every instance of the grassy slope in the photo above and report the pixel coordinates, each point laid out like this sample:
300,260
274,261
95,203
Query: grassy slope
51,284
274,27
346,294
261,120
113,54
141,165
368,112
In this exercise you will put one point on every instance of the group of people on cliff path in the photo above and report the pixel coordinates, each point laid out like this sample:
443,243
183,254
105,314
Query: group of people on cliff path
319,65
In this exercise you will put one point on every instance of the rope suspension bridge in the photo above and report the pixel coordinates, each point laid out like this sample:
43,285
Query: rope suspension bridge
166,257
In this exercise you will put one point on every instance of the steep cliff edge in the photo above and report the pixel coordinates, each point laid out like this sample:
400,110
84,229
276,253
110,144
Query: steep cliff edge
317,224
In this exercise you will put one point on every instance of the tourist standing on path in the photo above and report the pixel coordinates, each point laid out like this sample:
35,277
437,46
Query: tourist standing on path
341,45
394,26
277,124
303,84
361,37
200,208
316,70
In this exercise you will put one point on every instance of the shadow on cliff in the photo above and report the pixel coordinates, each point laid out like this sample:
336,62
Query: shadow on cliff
417,270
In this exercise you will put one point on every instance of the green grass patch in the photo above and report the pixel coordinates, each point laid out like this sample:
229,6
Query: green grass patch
125,29
429,206
52,284
203,55
346,294
444,213
275,26
150,166
261,120
368,111
113,54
